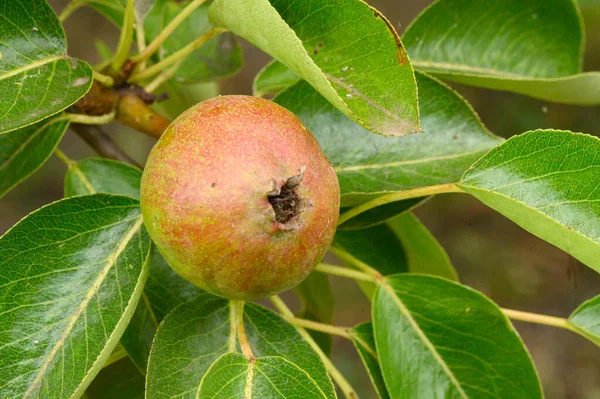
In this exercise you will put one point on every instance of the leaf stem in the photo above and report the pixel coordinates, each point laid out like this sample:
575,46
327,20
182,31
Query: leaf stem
63,157
140,36
322,327
539,319
399,196
238,313
359,264
126,38
145,53
91,119
107,81
163,77
72,165
342,383
70,9
344,272
173,58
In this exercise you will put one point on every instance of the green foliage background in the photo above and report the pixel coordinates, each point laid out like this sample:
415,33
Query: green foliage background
491,254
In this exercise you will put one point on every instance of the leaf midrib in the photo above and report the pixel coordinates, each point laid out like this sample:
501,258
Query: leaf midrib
451,67
112,260
29,139
385,285
407,162
33,65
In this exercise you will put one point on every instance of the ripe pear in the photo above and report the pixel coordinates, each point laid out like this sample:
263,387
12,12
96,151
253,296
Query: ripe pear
239,198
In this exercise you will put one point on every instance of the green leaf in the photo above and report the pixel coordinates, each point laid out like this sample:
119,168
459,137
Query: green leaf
218,58
226,378
586,319
317,305
24,151
37,78
164,289
234,376
270,335
438,339
273,78
363,340
71,274
348,51
100,175
424,253
369,166
188,341
120,380
197,333
533,49
546,181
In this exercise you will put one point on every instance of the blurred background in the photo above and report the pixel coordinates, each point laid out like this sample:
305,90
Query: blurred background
491,254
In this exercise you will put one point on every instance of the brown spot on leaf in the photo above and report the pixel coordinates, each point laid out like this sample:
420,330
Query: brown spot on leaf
400,53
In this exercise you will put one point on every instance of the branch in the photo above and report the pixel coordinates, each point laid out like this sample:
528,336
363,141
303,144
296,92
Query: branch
132,111
102,143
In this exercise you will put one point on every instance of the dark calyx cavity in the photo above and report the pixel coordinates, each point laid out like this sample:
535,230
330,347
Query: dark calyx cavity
285,200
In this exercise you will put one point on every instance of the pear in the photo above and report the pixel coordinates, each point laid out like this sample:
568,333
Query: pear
239,198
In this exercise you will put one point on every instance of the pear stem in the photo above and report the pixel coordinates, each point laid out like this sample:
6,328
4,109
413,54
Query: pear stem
238,313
